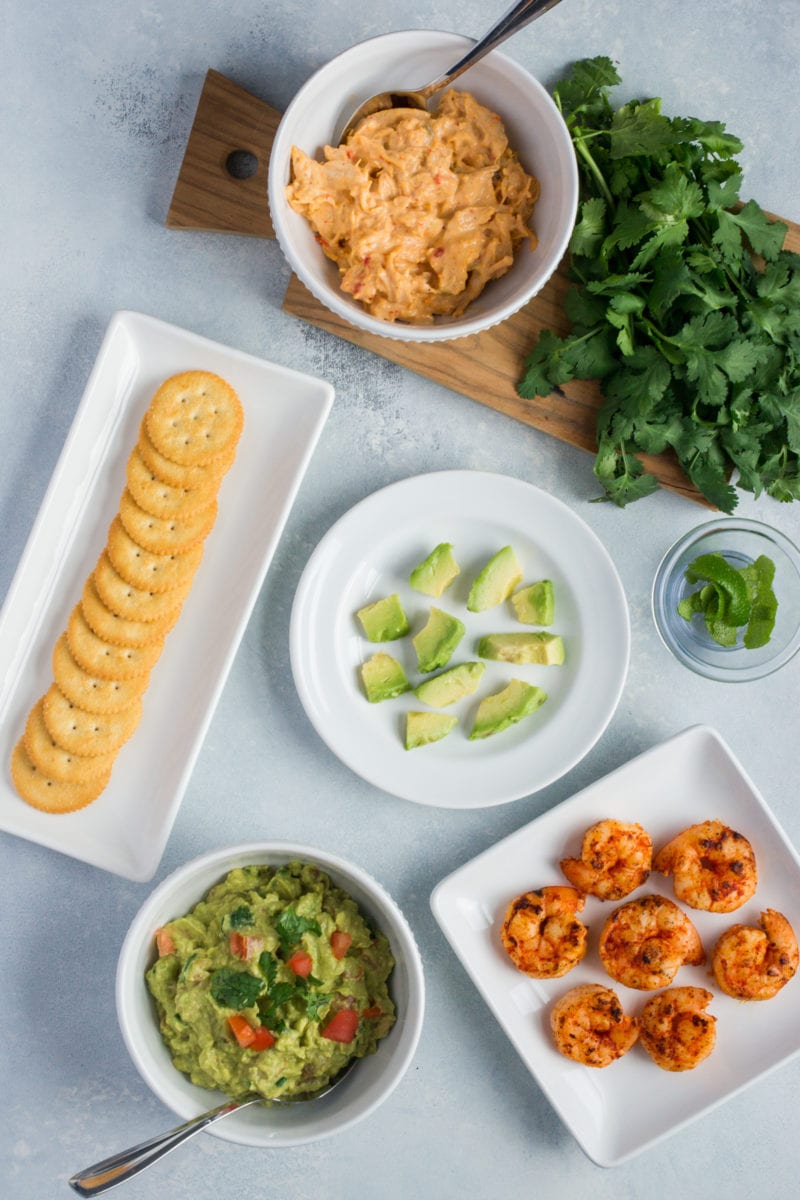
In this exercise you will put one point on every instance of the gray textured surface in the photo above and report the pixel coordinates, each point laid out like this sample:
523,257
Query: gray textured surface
98,101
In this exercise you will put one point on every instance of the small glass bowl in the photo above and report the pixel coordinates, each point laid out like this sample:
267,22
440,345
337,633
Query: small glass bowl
741,542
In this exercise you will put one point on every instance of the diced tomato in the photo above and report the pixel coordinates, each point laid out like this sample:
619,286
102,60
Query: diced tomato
342,1026
242,946
242,1030
300,963
237,944
372,1013
164,943
263,1039
340,942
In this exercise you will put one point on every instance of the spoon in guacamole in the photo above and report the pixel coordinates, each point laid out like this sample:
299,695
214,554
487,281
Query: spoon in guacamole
106,1174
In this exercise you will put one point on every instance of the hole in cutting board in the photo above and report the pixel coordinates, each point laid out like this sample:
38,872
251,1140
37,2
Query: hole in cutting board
241,164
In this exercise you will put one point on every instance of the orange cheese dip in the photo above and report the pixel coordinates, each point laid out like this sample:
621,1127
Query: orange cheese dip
418,211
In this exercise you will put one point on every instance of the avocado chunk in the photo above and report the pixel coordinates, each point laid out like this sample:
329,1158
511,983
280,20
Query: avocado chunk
535,605
495,582
422,728
436,643
451,685
436,572
547,649
383,678
505,708
384,620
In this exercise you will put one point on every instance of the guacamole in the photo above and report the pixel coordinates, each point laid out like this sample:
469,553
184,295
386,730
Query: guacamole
272,983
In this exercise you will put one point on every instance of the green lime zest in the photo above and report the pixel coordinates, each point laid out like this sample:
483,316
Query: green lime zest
732,598
763,602
734,606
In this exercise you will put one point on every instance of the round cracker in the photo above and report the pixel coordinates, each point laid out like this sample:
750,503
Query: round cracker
207,476
194,418
55,762
117,630
50,795
165,535
146,570
156,496
91,692
132,603
87,733
104,660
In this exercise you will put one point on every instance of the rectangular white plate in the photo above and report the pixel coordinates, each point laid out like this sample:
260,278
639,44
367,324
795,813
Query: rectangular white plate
618,1111
126,828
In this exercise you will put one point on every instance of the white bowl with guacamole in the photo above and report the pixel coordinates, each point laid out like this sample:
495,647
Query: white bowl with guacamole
268,967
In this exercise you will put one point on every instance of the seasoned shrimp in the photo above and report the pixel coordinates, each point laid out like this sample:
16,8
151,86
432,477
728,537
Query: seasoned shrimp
712,866
615,859
541,933
590,1027
675,1029
754,964
644,942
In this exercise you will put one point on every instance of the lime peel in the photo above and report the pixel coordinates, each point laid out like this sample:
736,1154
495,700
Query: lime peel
732,598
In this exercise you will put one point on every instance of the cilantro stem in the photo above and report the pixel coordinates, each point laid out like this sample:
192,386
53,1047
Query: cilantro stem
705,241
578,140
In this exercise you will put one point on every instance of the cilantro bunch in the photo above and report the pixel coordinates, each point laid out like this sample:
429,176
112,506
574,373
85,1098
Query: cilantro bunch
695,342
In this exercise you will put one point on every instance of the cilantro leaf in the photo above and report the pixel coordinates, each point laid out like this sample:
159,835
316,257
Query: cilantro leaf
588,234
639,128
241,917
315,1003
765,236
235,989
291,927
675,198
268,966
584,91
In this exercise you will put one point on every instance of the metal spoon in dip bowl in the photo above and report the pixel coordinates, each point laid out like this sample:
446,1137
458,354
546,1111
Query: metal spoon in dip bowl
107,1173
517,17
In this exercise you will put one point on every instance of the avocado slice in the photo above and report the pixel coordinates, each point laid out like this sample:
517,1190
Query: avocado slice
535,605
435,644
547,649
384,620
436,572
451,685
383,678
505,708
422,728
496,581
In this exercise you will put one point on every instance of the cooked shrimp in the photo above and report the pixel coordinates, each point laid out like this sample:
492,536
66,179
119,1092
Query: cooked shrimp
675,1029
590,1027
541,933
615,859
712,866
754,964
644,942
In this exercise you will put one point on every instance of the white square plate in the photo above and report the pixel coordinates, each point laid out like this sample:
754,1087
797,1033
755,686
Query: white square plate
620,1110
126,828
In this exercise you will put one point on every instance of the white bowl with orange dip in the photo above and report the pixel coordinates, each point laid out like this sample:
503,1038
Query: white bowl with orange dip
404,270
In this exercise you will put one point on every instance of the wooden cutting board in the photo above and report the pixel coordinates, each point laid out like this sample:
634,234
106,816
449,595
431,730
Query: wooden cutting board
222,187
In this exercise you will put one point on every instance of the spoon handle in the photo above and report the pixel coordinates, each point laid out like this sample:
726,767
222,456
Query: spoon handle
517,17
111,1171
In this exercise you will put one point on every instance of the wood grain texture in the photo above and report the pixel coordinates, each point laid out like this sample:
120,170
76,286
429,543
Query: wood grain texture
484,367
206,195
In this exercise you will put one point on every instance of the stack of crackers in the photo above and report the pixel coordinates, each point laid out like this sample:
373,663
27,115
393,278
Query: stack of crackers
116,632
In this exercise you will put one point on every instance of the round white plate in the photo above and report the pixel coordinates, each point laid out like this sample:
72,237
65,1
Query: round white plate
370,552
